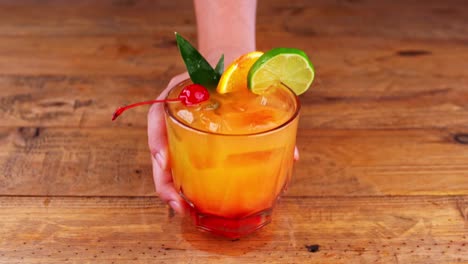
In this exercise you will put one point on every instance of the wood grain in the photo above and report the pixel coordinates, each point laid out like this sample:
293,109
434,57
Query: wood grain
381,162
383,175
88,55
75,162
382,19
366,84
75,101
90,18
115,162
140,230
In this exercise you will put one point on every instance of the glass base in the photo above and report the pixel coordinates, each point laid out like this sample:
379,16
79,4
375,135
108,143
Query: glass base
230,227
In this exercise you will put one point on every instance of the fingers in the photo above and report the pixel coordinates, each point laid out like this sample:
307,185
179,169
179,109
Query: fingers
157,142
296,154
165,188
157,139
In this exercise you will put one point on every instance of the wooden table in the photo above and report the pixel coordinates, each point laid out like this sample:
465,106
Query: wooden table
383,176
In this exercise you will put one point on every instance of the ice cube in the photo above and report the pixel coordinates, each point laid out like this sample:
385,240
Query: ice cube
225,126
275,98
210,121
211,105
185,115
213,127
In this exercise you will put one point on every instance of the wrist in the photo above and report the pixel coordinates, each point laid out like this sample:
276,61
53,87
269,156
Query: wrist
230,53
225,27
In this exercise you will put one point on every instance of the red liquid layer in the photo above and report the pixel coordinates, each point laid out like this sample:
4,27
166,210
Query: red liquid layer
230,227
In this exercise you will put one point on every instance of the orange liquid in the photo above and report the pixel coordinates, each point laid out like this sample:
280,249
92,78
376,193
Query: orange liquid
232,156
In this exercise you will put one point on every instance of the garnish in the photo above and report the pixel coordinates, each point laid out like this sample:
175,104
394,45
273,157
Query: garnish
235,76
200,71
191,95
256,70
287,66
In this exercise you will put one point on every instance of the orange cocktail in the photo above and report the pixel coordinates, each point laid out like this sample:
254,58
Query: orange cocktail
232,156
231,149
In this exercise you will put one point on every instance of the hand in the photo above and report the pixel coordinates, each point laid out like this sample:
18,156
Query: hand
238,19
157,141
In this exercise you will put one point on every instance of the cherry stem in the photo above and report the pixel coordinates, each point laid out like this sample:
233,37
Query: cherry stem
121,109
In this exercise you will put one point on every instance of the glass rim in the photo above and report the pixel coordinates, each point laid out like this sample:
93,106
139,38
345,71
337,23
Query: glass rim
271,130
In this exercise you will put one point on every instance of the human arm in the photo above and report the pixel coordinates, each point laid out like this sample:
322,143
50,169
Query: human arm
224,27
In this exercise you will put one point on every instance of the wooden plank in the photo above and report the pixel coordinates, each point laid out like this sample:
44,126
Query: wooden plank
338,57
37,161
107,55
381,162
383,19
115,162
419,229
366,84
76,101
90,18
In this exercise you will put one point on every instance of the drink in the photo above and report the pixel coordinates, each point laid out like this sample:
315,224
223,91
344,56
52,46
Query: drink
232,156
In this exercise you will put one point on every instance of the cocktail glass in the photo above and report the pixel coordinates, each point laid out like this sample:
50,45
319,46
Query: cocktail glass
231,182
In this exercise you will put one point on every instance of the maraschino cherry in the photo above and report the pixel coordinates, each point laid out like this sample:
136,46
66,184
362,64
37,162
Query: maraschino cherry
191,95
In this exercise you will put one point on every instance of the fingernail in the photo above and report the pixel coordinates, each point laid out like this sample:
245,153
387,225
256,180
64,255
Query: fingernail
160,159
296,154
176,206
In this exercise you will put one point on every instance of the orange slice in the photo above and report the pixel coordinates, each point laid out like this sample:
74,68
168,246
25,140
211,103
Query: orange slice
235,76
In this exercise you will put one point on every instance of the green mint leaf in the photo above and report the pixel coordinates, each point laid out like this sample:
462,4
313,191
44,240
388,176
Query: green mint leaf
220,65
200,71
